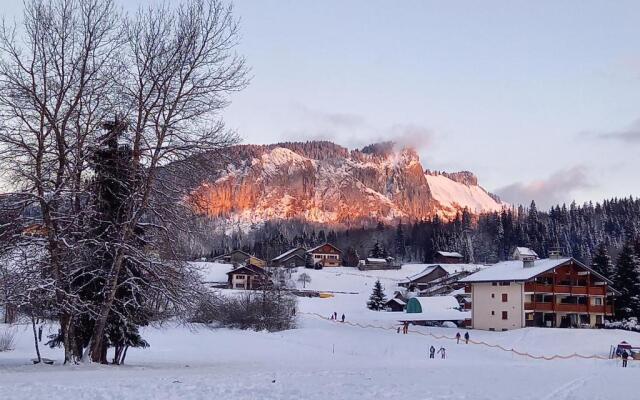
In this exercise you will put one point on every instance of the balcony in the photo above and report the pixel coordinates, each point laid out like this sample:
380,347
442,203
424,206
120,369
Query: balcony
575,308
532,287
538,306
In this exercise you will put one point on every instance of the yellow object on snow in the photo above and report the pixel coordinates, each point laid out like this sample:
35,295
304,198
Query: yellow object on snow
325,295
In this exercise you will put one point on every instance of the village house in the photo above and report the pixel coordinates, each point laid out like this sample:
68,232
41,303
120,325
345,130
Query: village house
553,292
237,257
290,259
438,279
248,277
371,263
326,255
448,257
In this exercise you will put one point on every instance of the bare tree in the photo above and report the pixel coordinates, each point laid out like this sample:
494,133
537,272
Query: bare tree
166,73
180,68
304,278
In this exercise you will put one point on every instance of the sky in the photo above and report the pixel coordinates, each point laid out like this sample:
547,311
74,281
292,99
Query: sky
541,100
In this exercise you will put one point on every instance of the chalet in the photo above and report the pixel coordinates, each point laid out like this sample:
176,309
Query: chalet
290,259
438,279
370,263
448,257
248,277
552,292
326,255
395,304
237,257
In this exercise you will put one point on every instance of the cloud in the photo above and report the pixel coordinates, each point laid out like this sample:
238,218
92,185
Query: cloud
555,189
411,135
629,135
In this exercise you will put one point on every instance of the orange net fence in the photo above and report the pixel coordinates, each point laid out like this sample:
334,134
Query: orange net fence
481,343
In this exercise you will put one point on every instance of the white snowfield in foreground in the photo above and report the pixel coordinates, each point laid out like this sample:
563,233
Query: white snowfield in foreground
330,360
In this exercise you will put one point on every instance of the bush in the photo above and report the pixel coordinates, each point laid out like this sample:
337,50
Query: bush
7,339
270,310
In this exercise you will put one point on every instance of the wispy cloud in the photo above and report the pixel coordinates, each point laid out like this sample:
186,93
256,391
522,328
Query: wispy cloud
631,134
555,189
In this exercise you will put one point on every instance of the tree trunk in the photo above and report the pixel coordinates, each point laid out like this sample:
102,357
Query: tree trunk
35,338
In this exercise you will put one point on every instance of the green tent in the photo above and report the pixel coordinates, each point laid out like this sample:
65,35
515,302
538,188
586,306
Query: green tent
413,306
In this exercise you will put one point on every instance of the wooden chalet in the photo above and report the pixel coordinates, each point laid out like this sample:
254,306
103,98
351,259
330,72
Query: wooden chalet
326,255
448,257
236,257
248,277
295,257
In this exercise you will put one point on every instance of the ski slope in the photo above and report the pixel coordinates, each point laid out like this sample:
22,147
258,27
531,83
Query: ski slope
331,360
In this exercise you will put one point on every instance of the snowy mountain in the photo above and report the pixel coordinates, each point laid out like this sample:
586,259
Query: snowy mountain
325,183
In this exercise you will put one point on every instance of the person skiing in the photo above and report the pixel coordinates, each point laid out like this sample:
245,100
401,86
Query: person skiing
458,338
405,327
432,352
342,317
443,352
466,337
625,357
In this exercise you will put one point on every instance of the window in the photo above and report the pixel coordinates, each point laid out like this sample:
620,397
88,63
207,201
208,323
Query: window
240,276
494,283
239,286
493,295
597,301
505,283
505,315
493,313
505,298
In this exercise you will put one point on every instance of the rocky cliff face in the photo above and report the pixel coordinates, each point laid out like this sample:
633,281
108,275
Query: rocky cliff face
325,183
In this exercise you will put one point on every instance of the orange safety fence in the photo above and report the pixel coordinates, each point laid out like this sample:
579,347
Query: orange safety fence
440,337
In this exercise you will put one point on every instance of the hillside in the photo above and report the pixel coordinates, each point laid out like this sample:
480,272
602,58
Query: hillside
325,183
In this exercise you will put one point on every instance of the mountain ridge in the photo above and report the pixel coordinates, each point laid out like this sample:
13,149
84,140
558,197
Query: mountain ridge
322,182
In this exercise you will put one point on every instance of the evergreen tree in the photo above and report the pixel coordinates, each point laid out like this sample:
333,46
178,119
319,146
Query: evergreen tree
377,251
351,257
400,243
377,298
601,262
627,281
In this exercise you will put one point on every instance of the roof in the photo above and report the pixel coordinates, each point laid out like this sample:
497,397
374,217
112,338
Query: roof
525,251
250,267
323,244
435,303
397,300
287,253
454,254
448,268
376,260
514,270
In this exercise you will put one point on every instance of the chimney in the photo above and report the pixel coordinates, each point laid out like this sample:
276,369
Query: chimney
528,261
555,253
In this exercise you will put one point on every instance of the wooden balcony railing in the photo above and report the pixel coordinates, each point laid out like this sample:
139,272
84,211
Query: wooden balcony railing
571,307
564,289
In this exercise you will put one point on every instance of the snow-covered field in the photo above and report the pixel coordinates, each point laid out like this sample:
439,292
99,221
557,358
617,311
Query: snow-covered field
330,360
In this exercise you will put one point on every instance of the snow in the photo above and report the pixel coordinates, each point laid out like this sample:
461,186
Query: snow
212,272
514,270
330,360
450,254
525,251
456,196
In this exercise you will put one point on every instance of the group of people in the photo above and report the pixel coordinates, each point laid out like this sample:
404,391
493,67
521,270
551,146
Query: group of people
466,337
442,351
334,317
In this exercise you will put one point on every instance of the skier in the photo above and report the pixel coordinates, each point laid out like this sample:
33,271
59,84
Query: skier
405,327
466,337
625,356
342,317
432,352
443,352
335,315
458,338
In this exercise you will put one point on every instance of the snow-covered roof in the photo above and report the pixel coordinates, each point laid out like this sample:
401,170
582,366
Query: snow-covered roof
323,244
376,260
454,254
449,268
525,251
515,270
397,300
437,303
439,315
286,253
